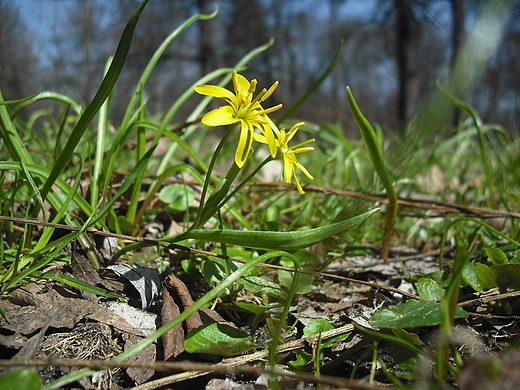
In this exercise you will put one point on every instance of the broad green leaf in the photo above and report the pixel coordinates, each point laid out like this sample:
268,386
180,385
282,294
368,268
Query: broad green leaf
411,314
496,256
218,339
410,337
507,276
441,277
486,276
308,261
322,325
303,359
213,270
125,226
515,198
255,309
257,284
317,326
429,289
471,277
177,196
20,379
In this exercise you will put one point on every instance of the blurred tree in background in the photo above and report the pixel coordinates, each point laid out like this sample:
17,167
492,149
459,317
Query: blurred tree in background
16,55
394,52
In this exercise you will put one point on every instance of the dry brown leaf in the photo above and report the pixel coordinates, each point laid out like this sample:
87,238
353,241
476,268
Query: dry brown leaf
176,298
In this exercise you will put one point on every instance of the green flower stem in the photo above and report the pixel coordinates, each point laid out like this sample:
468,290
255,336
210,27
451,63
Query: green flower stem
211,209
244,270
198,220
286,308
376,156
448,307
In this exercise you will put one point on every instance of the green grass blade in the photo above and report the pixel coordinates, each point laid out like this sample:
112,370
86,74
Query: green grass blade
71,281
125,186
45,96
99,162
101,95
44,173
11,138
155,58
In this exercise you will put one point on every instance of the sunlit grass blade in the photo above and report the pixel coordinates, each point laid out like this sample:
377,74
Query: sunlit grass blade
14,144
73,282
376,156
101,95
125,186
155,58
99,154
46,235
61,184
45,96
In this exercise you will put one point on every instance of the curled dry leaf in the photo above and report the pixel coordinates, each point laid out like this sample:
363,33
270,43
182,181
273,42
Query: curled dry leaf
176,298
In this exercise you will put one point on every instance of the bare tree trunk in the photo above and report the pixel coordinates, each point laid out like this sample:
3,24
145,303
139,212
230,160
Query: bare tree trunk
457,9
335,38
207,58
403,31
87,36
458,34
282,51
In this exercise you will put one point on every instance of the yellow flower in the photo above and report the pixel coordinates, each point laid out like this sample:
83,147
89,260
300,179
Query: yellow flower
243,109
288,154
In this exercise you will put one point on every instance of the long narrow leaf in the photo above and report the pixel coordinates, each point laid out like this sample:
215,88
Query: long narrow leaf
376,156
101,95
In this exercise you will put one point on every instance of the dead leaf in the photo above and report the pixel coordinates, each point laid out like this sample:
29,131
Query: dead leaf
42,306
176,298
83,270
173,340
184,300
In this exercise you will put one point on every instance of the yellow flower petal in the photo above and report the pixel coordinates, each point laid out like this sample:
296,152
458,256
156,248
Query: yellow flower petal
244,144
221,116
259,138
306,149
270,91
298,185
269,139
288,168
305,171
242,87
215,91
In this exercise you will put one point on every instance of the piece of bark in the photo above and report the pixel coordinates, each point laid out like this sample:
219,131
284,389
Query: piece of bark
147,354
